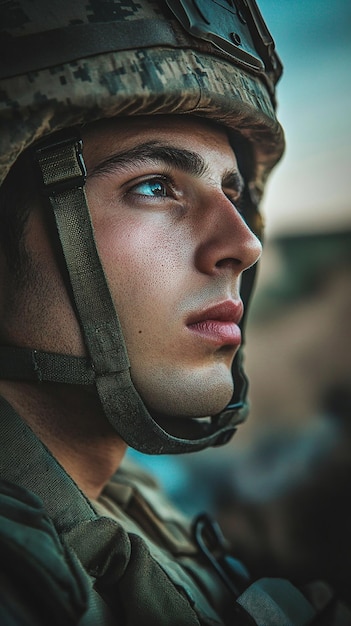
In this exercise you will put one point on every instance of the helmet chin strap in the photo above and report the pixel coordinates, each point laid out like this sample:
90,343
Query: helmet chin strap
107,366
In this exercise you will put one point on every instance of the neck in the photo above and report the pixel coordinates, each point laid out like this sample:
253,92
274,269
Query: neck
70,422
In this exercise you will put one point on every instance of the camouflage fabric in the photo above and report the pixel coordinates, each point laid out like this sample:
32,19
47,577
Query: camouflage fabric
144,81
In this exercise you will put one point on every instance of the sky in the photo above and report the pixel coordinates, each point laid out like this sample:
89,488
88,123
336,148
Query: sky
310,190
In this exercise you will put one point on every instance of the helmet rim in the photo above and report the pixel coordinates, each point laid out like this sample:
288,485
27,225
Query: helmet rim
184,82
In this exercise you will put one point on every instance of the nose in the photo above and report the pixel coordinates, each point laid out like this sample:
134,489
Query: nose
226,241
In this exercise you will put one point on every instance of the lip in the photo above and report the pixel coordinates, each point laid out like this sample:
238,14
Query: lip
218,324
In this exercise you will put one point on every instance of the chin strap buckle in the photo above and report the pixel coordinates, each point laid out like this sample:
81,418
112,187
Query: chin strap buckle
62,165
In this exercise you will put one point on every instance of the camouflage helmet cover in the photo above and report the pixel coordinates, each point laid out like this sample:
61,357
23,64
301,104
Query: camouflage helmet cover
73,62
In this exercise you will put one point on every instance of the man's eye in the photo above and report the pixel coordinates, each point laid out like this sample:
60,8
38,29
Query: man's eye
152,188
237,201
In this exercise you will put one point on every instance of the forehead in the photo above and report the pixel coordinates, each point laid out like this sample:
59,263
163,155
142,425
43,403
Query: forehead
107,137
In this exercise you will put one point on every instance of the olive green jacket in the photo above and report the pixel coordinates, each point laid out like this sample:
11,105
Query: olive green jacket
129,558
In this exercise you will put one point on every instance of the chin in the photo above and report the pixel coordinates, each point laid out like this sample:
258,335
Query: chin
185,392
190,402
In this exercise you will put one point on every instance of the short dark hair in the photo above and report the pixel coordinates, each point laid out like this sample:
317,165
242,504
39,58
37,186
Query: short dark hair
18,194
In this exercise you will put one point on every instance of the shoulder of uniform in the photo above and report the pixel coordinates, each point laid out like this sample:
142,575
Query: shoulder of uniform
40,583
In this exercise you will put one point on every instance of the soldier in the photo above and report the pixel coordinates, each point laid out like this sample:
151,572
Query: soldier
136,139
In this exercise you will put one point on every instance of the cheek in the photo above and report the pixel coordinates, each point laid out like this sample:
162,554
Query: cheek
142,261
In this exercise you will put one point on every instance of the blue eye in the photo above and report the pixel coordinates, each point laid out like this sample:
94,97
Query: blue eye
151,188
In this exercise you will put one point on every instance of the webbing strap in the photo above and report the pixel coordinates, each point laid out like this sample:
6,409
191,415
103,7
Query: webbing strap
40,472
33,365
99,322
103,334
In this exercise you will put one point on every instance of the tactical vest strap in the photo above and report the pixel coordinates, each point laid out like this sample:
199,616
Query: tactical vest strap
276,602
40,473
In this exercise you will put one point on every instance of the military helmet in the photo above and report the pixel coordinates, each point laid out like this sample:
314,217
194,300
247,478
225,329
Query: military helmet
73,62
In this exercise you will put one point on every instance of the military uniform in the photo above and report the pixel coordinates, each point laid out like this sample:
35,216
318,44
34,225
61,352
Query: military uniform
135,547
127,558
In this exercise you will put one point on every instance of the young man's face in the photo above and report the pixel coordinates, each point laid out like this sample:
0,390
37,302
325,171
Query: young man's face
162,195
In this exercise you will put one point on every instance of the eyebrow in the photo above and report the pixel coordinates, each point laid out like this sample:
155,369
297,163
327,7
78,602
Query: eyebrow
185,160
181,159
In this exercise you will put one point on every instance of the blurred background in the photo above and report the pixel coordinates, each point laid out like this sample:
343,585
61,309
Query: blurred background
311,188
280,489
